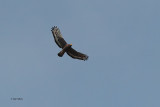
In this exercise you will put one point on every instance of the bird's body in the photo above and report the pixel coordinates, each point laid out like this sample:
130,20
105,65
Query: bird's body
66,47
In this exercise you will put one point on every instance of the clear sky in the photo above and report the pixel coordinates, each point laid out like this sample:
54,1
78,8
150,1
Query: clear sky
121,38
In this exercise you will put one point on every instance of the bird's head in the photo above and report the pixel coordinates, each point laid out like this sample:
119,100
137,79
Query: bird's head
70,44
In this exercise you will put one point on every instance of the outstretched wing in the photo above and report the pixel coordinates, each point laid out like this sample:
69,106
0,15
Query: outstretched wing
77,55
58,37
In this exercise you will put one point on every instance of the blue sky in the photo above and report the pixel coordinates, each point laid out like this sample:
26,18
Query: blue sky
121,38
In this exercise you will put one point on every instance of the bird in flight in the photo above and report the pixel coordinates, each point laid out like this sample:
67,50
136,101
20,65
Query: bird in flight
65,46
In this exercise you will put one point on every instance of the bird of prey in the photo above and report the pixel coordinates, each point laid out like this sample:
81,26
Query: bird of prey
66,47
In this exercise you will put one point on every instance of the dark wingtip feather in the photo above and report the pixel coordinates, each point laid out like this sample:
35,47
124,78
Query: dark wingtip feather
53,28
85,57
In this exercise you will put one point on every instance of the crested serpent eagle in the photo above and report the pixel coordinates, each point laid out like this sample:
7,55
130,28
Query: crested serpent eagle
66,47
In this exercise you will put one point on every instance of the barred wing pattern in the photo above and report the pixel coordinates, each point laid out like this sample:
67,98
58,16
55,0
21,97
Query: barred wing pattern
76,55
58,37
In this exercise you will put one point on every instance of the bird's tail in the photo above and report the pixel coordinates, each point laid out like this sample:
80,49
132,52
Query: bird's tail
61,53
66,47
